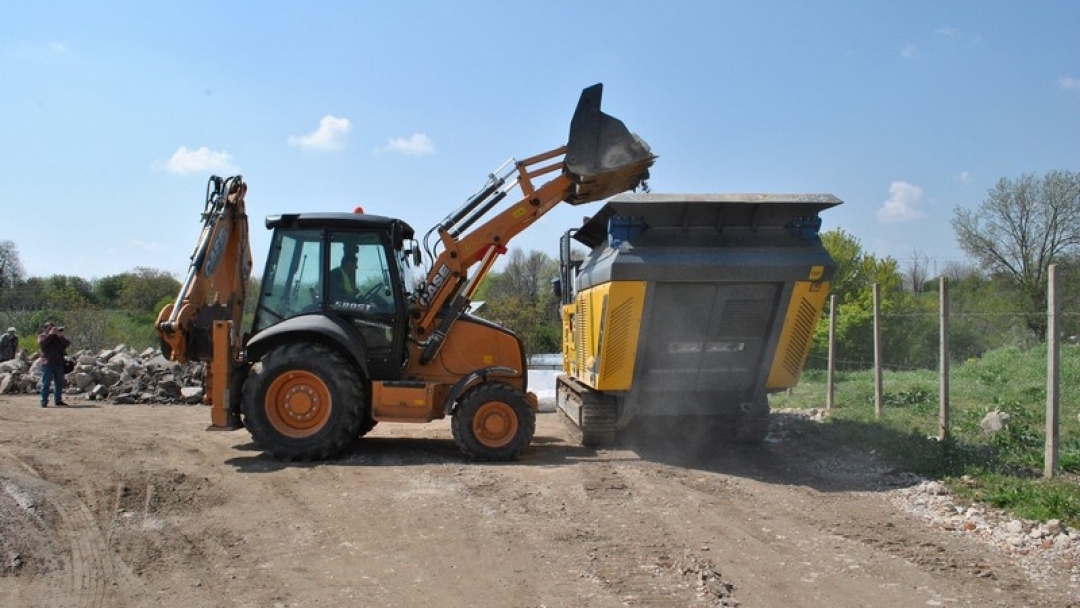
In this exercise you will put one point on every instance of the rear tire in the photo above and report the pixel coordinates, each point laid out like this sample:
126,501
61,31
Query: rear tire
305,403
493,422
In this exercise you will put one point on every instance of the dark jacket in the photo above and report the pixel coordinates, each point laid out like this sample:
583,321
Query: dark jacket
53,347
9,343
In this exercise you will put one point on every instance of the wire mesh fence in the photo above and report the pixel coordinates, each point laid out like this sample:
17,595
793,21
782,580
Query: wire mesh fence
957,374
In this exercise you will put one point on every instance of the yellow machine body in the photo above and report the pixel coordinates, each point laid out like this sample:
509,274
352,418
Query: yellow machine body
601,335
796,337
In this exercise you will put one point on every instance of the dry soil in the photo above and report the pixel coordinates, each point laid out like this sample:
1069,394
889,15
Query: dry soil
118,506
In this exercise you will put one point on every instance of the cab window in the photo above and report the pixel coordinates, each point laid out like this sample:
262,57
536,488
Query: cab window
359,278
291,283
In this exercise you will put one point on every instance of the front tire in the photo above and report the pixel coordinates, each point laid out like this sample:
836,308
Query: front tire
493,422
305,403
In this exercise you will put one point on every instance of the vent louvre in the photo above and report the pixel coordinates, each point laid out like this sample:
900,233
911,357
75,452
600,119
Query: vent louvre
618,335
802,331
581,319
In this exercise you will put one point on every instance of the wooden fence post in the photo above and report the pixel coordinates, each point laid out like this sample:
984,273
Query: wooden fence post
943,382
878,393
830,381
1053,375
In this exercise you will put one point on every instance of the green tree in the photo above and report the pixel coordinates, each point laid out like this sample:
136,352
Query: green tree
11,268
25,295
64,292
1022,227
856,273
979,307
142,289
107,290
520,298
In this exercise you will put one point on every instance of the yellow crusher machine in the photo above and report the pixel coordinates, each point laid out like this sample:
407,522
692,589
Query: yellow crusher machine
693,306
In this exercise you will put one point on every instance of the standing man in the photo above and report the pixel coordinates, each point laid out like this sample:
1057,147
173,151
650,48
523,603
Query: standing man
53,345
9,343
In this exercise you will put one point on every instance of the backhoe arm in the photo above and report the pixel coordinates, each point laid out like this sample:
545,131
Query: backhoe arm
214,288
602,158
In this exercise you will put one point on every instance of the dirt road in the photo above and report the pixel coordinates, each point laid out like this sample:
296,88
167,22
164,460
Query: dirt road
138,506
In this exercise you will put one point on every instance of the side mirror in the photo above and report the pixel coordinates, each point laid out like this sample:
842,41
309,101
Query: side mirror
416,258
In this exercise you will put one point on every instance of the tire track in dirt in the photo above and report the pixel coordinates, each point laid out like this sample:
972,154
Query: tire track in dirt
654,568
595,506
87,576
851,548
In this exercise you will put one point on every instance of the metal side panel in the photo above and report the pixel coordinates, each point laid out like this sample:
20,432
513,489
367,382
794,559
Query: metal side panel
707,337
797,335
620,332
607,324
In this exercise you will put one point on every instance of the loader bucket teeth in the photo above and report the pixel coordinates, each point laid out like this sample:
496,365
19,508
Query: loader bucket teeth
602,156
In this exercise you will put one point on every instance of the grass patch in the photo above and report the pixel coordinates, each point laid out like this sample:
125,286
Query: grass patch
1027,498
1006,466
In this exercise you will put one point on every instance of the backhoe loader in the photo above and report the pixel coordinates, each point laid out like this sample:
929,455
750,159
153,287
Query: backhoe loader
342,338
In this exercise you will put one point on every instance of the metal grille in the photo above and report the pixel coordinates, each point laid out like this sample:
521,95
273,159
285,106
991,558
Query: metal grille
618,334
744,318
802,331
581,318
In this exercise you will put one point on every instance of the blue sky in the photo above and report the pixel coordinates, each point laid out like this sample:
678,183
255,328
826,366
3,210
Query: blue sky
116,113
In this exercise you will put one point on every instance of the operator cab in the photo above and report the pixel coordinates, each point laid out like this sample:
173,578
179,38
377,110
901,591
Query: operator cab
353,267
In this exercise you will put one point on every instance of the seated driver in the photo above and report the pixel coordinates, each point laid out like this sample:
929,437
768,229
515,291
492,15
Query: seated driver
343,280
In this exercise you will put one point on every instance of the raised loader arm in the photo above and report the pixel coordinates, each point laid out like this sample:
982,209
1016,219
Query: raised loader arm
204,322
601,158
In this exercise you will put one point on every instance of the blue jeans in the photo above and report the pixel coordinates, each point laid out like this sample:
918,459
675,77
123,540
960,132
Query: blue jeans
54,373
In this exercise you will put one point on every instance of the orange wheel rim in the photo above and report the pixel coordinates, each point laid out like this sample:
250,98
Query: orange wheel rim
298,403
495,424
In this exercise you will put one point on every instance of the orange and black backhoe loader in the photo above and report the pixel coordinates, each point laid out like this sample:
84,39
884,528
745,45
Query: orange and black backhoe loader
343,337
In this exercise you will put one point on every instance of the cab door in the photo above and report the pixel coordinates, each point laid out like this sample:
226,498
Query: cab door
368,294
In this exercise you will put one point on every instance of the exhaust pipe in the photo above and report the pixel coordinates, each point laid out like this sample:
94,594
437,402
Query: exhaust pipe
602,156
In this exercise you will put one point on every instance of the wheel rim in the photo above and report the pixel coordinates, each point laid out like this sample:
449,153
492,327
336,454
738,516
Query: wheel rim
495,424
298,403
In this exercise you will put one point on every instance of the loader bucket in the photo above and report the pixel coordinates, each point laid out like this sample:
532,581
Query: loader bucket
602,156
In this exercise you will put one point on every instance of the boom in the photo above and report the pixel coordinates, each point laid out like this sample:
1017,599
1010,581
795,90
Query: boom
601,158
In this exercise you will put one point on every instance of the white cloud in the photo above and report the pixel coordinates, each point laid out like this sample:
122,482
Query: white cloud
909,51
964,177
417,145
329,136
1068,83
198,161
953,33
903,205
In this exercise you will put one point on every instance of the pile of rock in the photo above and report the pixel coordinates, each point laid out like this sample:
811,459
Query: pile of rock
1037,546
118,375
